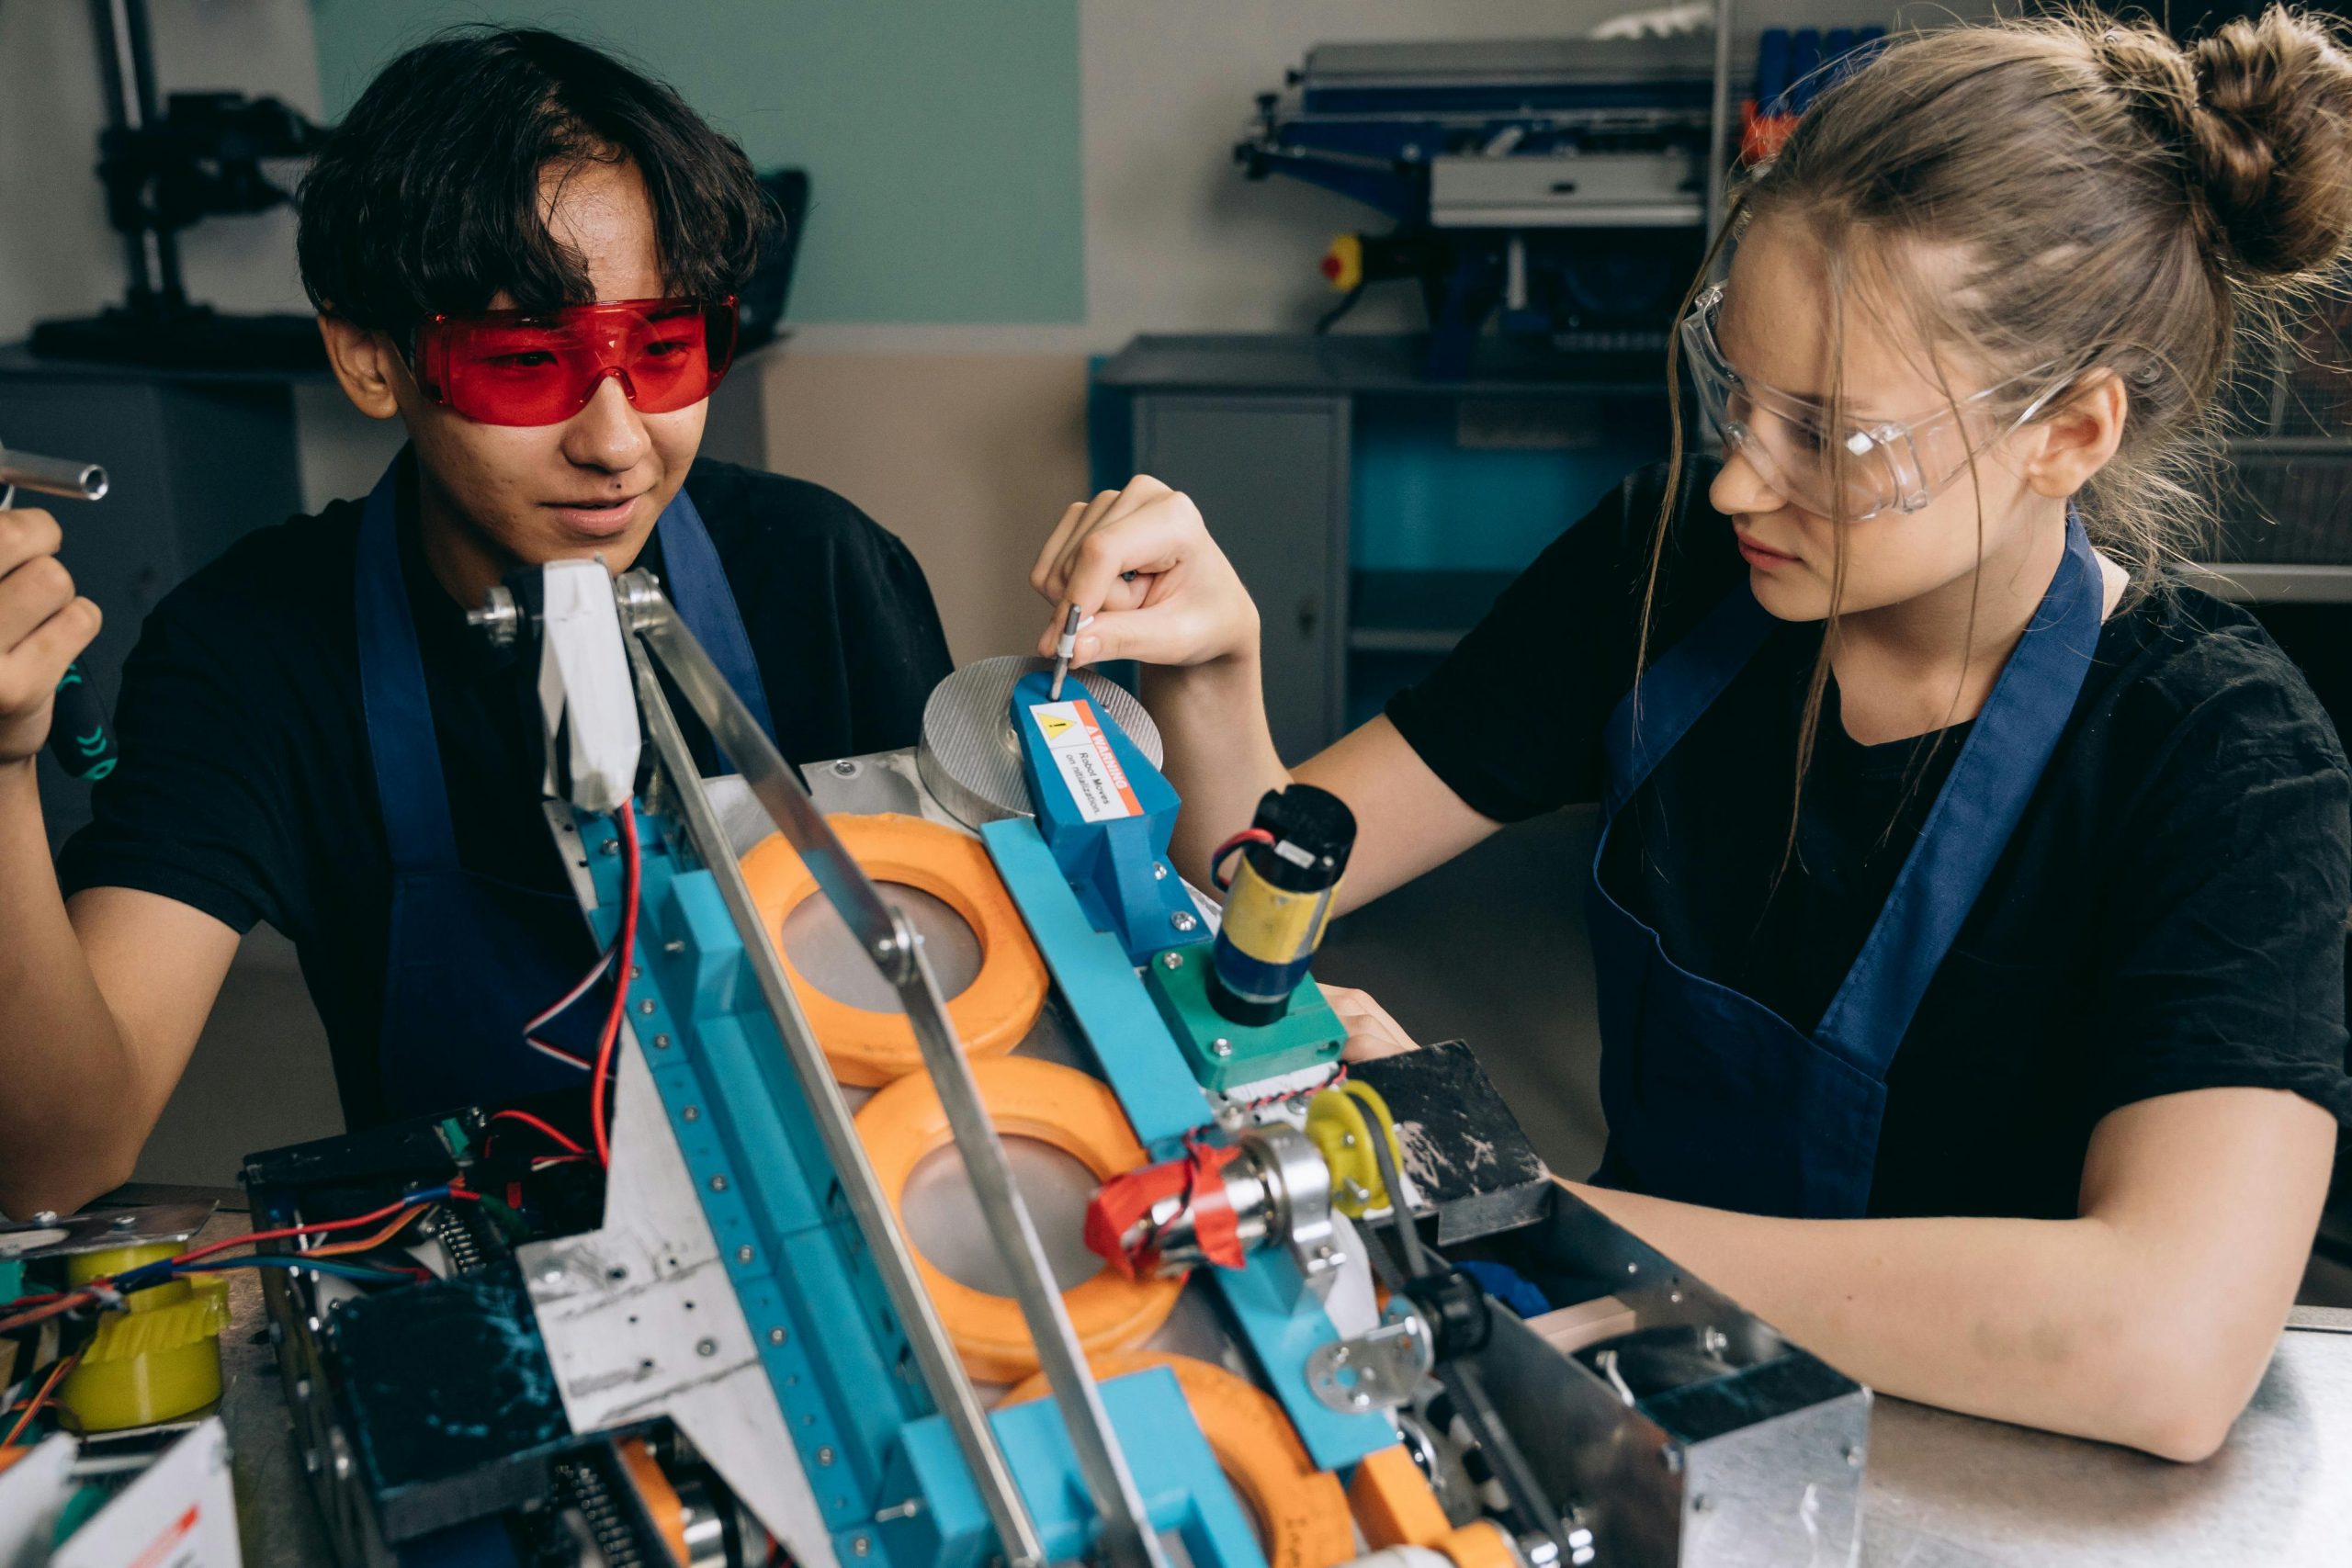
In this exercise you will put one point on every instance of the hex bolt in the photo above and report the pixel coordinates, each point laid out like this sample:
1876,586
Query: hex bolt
705,1347
1221,1046
1184,919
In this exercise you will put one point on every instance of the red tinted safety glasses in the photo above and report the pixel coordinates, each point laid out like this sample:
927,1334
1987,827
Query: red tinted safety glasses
526,368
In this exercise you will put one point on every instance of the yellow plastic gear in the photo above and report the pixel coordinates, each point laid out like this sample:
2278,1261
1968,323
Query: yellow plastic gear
1339,1123
160,1359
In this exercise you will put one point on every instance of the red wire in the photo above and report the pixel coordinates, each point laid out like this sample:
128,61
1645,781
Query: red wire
1247,836
528,1120
624,951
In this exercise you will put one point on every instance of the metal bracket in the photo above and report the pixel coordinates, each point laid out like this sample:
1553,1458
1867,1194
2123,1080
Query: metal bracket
897,951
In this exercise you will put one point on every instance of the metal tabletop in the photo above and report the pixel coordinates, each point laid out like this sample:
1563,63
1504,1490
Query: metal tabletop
1945,1491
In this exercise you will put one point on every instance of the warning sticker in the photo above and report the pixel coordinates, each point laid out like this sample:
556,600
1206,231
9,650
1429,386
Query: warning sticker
1074,737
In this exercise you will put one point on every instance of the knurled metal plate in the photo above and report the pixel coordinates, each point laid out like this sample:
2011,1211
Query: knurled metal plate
971,758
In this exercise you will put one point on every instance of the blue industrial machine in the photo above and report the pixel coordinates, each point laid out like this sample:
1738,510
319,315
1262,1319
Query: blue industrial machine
733,1345
1557,188
1559,185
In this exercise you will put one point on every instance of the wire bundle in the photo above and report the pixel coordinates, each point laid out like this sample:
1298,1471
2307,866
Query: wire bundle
615,959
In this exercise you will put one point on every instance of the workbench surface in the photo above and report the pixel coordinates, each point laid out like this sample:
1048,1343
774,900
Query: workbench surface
1945,1491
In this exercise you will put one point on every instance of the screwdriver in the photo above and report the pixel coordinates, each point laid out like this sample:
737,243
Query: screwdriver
78,735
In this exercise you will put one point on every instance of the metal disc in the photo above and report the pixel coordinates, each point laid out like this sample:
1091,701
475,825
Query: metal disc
971,758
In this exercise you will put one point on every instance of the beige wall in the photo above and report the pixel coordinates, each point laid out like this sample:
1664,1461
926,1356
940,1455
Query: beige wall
57,256
969,457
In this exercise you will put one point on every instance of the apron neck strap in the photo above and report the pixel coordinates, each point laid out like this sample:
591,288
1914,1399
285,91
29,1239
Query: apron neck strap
1969,826
407,754
1681,684
697,587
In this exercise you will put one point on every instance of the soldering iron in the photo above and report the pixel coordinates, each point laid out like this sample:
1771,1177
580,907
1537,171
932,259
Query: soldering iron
78,735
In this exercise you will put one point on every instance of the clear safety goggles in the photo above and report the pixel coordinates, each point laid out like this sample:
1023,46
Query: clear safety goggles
1890,464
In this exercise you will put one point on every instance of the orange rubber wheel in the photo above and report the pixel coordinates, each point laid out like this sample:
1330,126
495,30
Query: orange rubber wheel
1057,1106
990,1015
1302,1510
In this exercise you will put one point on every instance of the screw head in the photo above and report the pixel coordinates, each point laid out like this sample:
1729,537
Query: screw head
660,1042
776,1337
859,1547
691,1113
1159,870
845,768
1171,959
1221,1046
718,1184
611,846
742,1255
1184,919
824,1457
645,1006
705,1347
675,944
636,972
1854,1455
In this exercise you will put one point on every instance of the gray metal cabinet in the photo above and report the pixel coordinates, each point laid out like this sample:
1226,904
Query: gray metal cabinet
1270,476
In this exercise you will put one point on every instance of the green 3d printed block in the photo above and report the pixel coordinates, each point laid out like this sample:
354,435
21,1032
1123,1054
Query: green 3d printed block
1222,1053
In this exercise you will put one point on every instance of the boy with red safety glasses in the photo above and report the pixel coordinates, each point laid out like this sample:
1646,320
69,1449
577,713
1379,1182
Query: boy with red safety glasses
526,253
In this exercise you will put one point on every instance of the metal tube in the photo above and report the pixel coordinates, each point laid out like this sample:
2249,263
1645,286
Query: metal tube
1127,1537
943,1372
1719,118
53,475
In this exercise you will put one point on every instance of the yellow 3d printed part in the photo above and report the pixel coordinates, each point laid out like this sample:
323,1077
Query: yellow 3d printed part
160,1359
1341,1122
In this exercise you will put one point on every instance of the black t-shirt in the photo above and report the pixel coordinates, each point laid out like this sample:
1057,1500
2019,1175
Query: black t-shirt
246,788
2169,915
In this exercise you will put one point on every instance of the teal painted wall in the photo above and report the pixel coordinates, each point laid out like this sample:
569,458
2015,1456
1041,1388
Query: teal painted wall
940,136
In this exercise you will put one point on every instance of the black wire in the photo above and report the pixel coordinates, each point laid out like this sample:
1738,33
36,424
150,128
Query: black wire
1333,317
1399,1215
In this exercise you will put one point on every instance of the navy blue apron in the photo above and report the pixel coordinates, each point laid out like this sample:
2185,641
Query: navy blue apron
472,958
1711,1097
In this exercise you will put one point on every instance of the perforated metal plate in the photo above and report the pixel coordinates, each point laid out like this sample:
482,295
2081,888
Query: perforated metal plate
971,758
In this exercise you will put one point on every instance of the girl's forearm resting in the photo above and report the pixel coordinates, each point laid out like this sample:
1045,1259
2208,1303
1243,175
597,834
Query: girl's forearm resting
2147,1321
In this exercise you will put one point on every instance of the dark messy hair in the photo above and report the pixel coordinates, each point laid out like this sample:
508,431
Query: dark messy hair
426,199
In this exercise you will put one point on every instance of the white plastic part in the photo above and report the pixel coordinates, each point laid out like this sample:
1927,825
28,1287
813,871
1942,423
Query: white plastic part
180,1513
1404,1557
586,697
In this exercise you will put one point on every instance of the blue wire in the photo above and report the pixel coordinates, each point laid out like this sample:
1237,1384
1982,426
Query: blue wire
290,1260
